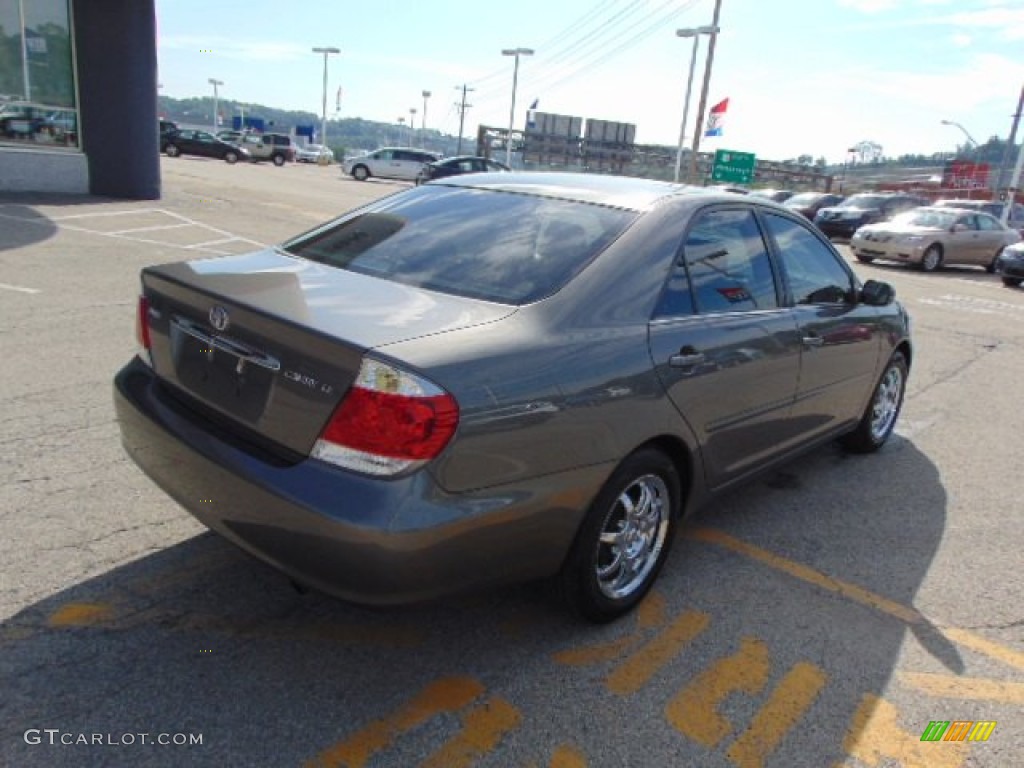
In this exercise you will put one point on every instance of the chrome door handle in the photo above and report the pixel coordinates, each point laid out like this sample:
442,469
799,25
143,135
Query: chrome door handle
685,361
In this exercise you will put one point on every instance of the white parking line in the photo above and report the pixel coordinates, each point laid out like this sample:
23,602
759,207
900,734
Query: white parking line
149,229
97,214
18,288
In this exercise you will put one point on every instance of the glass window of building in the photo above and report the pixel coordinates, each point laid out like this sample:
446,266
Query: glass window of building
38,103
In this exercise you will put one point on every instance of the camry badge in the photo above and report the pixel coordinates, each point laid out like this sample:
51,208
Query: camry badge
219,318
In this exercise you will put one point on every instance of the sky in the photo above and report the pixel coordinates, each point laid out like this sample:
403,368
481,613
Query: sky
802,76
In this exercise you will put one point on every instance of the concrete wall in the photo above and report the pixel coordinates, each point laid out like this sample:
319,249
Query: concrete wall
42,170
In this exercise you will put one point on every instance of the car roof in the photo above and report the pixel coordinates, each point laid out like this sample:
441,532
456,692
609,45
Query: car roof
613,191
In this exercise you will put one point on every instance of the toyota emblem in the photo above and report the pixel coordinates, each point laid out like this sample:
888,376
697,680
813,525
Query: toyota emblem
219,318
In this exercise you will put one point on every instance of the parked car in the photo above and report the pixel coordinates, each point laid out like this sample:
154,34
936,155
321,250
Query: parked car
202,144
501,377
865,208
1010,265
275,147
38,122
388,163
809,203
454,166
992,208
931,237
778,195
312,153
166,127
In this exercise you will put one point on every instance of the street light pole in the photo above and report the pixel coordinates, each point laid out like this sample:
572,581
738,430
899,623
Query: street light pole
695,33
969,137
215,83
517,52
398,138
704,89
323,121
423,122
412,126
462,114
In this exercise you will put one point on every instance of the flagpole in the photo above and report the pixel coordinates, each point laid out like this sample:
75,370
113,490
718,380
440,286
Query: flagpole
704,92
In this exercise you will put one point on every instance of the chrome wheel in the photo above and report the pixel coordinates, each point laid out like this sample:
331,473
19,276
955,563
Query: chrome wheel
632,537
886,406
931,259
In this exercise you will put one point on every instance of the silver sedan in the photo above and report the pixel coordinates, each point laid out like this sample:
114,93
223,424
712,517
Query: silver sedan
932,237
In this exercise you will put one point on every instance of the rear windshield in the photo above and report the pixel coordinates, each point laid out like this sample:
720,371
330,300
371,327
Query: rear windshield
497,246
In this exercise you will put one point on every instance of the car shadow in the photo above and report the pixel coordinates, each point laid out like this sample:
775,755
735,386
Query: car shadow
200,638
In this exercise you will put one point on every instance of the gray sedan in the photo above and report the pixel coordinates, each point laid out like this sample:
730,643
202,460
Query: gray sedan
503,377
931,237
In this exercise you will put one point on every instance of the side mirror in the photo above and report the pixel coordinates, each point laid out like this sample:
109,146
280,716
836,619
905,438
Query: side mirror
875,293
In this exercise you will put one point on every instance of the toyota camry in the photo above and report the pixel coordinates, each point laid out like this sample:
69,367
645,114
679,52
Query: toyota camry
497,378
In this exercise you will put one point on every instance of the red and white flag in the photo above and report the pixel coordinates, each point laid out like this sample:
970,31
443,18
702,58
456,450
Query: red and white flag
715,118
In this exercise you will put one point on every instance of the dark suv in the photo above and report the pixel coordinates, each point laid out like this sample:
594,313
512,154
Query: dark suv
865,208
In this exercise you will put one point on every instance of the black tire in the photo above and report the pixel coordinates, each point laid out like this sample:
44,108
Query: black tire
1011,282
172,150
991,268
278,160
931,260
649,480
883,409
865,259
360,173
230,157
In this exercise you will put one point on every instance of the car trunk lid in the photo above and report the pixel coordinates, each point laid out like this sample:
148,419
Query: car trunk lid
267,344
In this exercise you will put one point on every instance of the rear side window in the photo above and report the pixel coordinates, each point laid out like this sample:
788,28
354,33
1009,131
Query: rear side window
728,263
497,246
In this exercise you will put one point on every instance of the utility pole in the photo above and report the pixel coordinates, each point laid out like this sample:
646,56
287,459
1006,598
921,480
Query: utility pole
704,93
462,107
1008,152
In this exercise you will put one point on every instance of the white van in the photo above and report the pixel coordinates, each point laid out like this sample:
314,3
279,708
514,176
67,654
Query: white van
389,163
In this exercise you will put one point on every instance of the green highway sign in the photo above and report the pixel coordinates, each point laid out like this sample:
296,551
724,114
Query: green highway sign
733,167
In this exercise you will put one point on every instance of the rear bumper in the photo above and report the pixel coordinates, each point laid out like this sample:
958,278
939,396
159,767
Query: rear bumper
838,227
1010,266
362,539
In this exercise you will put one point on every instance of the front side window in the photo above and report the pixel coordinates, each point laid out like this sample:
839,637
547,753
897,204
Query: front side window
815,273
497,246
728,264
37,84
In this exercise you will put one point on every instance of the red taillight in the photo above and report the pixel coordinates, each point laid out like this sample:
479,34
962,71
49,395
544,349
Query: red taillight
142,323
390,421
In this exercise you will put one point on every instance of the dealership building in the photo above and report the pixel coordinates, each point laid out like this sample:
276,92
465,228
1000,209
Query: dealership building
78,97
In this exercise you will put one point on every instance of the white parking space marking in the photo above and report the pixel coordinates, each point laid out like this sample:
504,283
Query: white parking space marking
975,305
149,229
179,225
18,288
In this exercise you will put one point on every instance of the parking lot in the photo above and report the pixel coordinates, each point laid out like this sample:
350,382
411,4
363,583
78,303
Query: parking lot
824,615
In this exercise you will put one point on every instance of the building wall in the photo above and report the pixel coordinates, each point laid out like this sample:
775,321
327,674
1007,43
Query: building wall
92,65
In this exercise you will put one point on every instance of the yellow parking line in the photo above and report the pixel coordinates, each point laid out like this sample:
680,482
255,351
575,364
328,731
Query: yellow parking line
953,687
875,735
80,614
788,703
630,676
652,612
445,695
482,729
568,757
860,595
694,710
